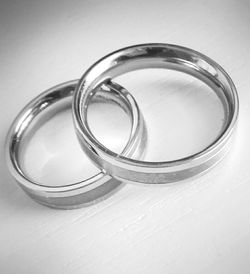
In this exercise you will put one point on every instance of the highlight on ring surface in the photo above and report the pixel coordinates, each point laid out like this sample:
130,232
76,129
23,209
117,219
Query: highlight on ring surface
166,56
91,190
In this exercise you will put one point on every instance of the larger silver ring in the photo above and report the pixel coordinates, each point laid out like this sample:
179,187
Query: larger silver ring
155,56
78,193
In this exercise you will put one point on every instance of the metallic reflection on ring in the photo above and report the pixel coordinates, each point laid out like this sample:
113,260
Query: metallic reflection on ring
93,189
156,56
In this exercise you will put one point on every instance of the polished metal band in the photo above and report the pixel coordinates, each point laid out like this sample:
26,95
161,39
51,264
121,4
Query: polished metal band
155,56
79,193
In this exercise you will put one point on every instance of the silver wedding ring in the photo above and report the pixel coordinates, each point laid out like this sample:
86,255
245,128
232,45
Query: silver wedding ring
128,166
82,193
155,56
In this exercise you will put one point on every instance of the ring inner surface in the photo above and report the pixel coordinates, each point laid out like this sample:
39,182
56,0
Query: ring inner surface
177,59
47,150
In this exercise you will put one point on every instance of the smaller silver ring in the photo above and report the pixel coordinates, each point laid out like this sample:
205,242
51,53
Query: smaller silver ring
93,189
156,56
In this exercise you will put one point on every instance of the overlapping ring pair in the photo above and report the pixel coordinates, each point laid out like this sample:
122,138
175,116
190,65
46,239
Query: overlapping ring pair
117,168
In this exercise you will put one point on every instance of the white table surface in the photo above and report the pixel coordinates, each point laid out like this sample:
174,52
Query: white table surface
199,226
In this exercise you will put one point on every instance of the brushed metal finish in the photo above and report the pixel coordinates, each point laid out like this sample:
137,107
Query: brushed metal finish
90,190
155,56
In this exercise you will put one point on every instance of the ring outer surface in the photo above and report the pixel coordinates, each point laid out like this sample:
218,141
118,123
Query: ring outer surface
93,189
156,56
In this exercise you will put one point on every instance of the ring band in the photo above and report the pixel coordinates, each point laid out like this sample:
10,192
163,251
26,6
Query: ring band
80,193
155,56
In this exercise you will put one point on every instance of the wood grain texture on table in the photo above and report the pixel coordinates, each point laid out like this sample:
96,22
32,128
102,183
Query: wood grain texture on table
198,226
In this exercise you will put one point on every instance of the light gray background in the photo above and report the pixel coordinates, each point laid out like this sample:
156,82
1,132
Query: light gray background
199,226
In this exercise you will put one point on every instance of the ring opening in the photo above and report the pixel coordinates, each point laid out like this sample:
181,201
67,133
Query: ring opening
183,114
49,152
